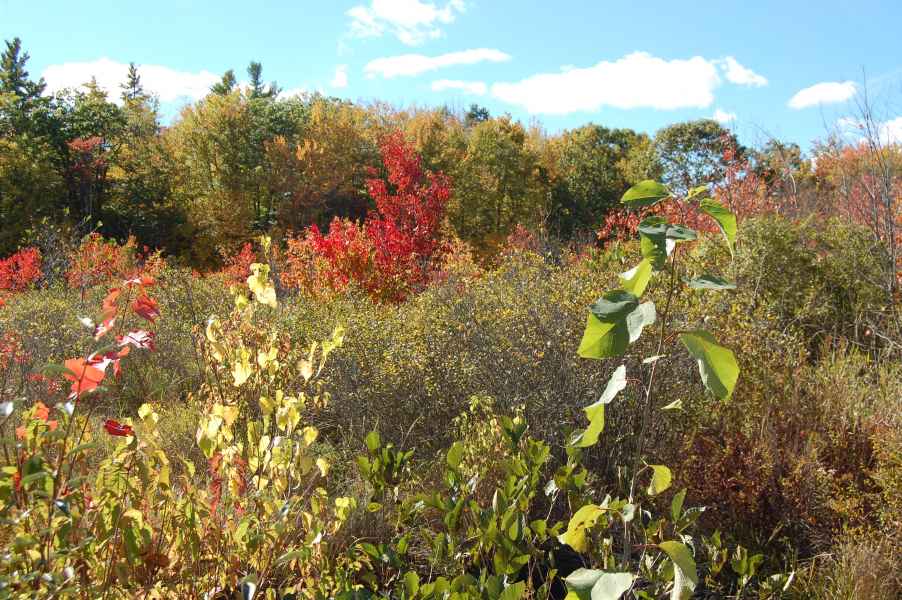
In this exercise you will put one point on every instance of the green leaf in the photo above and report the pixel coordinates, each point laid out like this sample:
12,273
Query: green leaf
685,576
675,405
614,305
595,411
411,584
645,193
583,579
653,240
716,364
455,455
373,441
711,282
636,279
615,321
514,591
681,233
725,219
611,586
660,479
697,191
676,505
585,518
599,585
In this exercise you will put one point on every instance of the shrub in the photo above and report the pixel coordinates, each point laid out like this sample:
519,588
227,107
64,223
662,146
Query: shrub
98,261
21,270
393,252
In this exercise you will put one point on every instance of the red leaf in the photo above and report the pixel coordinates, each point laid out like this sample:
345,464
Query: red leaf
118,429
145,306
139,339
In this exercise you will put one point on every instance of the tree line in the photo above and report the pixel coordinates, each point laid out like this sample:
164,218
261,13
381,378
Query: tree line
245,159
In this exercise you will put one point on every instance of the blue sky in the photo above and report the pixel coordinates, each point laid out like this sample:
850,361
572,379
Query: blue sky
784,69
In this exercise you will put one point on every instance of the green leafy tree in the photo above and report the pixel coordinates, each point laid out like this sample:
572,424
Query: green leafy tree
692,153
593,165
498,183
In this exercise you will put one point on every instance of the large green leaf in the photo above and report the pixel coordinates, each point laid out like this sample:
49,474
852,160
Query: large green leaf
614,304
615,321
725,219
595,411
599,585
657,239
653,240
716,364
711,282
660,479
611,586
636,279
645,193
685,576
585,518
681,233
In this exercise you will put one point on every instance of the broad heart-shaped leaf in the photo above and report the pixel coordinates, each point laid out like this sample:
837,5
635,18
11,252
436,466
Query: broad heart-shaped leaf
660,479
725,219
645,193
681,233
653,240
614,305
685,576
711,282
598,585
611,586
615,321
636,279
595,411
716,364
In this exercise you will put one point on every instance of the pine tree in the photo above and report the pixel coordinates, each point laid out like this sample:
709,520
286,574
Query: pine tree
133,89
13,76
255,72
226,84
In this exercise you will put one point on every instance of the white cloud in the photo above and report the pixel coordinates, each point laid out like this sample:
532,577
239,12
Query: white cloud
891,131
740,75
340,80
828,92
166,83
637,80
407,65
411,21
476,88
293,92
723,117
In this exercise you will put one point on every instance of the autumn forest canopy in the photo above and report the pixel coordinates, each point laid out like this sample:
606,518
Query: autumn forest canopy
294,346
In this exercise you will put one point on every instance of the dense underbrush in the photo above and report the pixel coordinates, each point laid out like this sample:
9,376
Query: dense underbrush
247,457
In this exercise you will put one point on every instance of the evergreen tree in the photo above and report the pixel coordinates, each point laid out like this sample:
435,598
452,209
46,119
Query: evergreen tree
258,89
133,89
225,85
13,76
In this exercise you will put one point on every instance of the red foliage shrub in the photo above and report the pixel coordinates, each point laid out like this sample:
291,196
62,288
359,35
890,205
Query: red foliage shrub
20,270
98,261
393,252
238,267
